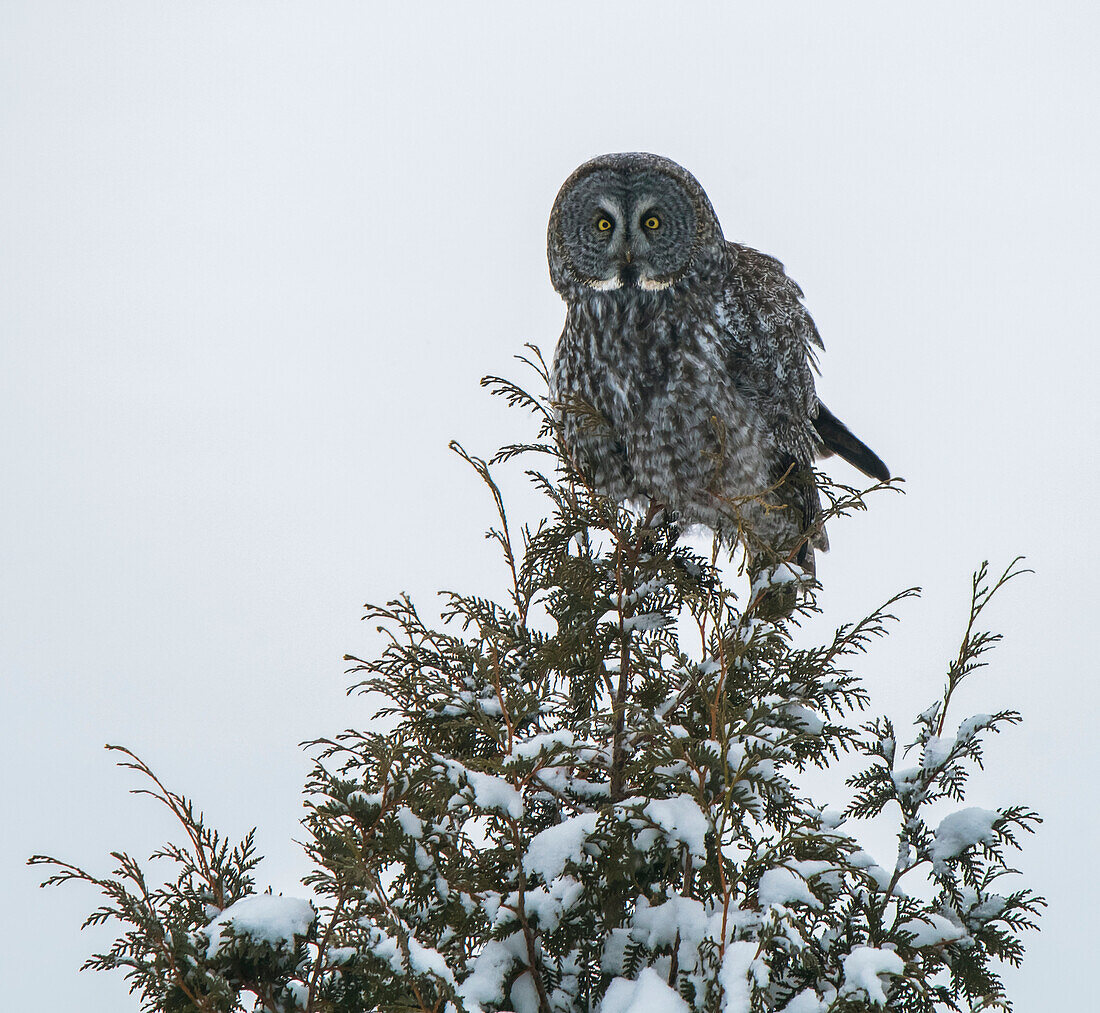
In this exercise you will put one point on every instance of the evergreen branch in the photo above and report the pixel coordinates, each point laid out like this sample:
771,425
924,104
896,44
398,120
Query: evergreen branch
599,776
974,645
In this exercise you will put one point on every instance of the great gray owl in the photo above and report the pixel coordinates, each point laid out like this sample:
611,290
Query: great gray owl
683,375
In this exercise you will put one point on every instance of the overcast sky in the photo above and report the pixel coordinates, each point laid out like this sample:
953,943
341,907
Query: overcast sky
255,257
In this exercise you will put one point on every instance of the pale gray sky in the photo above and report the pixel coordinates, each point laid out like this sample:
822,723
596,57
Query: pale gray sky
256,255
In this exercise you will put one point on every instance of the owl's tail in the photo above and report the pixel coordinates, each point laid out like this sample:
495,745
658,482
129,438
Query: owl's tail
839,439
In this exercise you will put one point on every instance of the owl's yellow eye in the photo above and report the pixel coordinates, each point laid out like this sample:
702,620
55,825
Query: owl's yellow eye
652,222
604,225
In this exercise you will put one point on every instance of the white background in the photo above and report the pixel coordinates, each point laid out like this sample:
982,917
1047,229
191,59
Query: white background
255,257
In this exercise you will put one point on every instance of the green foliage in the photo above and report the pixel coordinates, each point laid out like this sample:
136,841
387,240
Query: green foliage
596,776
160,950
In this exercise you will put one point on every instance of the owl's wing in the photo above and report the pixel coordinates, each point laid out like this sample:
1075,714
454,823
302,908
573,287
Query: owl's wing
770,340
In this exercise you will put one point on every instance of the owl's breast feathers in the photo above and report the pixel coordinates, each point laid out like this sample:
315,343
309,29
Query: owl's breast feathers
656,368
702,395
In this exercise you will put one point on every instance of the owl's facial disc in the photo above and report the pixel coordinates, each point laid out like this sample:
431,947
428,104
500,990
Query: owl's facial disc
628,230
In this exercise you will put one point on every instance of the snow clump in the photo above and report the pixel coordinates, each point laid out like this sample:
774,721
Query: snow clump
263,918
785,886
648,994
553,848
960,831
862,968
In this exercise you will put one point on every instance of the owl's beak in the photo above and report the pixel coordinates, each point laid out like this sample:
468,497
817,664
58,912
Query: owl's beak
628,270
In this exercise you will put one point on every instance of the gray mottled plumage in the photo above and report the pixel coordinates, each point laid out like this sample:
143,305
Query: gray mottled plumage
684,369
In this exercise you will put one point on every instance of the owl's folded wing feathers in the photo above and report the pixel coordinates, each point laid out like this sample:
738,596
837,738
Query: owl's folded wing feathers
771,344
770,341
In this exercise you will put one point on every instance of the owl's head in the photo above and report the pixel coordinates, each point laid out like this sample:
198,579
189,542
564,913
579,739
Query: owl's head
628,223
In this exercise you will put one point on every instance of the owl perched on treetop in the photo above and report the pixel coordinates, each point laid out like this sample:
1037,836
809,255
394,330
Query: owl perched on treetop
683,375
